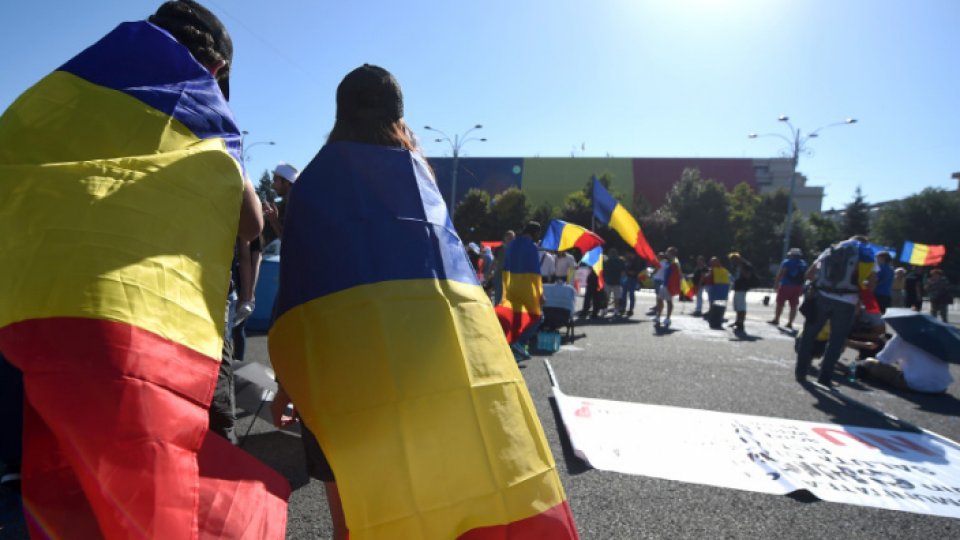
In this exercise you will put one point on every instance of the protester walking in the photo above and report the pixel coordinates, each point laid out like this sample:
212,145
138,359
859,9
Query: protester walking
938,290
885,276
789,285
698,274
913,289
744,280
837,292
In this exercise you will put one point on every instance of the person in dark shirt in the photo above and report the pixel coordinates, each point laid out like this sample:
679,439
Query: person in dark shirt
613,269
743,281
913,289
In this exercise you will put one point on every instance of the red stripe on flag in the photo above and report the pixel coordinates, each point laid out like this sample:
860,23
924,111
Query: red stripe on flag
935,255
553,524
587,241
513,322
117,416
643,249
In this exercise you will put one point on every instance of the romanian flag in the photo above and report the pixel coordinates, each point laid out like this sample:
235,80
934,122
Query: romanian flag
594,259
394,359
922,254
120,192
614,215
562,236
522,288
676,283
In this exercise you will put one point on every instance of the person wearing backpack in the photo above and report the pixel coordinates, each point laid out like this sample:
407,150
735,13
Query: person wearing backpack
789,285
834,277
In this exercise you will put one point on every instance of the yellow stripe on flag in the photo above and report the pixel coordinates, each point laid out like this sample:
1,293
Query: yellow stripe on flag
622,222
918,256
385,375
108,235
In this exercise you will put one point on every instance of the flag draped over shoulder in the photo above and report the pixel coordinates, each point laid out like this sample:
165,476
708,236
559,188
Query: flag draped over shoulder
394,359
120,191
561,236
522,288
611,213
594,259
922,254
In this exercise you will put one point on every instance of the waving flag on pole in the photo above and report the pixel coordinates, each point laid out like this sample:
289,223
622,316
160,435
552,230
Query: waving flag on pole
611,213
120,191
561,236
594,259
922,254
394,359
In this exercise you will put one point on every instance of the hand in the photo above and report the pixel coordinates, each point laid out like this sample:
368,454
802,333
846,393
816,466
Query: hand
282,409
270,211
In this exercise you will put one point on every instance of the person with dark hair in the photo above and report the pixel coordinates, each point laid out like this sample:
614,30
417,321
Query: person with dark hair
744,279
394,358
124,164
913,289
699,272
884,289
789,285
836,281
938,289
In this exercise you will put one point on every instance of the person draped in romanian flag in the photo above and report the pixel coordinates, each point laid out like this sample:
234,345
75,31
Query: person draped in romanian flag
672,277
521,311
111,304
394,359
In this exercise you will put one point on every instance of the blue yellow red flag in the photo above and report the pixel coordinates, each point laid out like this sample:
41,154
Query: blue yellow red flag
120,191
561,236
522,288
613,214
395,361
922,254
594,259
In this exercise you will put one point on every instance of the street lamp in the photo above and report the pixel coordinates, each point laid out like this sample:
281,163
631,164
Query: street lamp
456,143
244,148
797,144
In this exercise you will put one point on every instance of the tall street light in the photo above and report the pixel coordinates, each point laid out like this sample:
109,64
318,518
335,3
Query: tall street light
797,142
244,147
456,143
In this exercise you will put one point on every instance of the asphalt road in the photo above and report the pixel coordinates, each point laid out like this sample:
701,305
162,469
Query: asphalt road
689,367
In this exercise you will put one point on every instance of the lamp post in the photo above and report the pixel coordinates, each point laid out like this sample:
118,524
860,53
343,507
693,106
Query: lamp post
456,143
797,144
244,147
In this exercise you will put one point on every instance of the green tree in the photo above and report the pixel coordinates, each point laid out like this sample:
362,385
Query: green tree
856,216
824,231
471,217
544,214
697,211
577,208
509,211
265,187
929,217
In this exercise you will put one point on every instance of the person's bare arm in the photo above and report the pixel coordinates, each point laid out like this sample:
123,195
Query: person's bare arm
776,280
251,216
245,269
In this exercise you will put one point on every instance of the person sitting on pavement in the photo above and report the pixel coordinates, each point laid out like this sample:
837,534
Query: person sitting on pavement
904,366
789,285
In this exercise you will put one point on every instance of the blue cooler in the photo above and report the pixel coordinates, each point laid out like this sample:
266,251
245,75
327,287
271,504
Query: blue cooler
266,294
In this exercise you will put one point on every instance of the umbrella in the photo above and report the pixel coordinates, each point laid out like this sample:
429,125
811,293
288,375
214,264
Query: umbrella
930,334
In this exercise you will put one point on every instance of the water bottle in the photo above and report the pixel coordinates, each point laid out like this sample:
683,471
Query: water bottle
852,372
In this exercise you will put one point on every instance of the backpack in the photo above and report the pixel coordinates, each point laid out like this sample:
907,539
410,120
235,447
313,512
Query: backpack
838,269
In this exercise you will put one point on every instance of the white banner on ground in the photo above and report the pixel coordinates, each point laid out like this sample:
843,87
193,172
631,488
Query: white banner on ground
848,464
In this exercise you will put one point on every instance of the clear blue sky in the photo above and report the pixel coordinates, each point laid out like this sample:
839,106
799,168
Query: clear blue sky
628,78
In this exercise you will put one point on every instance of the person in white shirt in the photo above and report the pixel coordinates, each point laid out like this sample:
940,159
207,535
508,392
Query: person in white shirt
547,266
907,367
565,263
